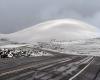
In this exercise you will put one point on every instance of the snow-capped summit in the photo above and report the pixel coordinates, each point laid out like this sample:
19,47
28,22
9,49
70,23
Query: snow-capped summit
63,29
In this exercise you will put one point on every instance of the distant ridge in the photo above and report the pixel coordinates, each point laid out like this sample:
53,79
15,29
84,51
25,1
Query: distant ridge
62,29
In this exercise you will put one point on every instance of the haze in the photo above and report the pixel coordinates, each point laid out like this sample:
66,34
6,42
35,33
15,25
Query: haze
19,14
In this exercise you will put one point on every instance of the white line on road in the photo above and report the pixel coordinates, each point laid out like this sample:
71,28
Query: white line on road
82,69
13,71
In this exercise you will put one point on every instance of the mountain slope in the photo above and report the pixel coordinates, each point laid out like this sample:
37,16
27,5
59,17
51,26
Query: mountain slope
64,29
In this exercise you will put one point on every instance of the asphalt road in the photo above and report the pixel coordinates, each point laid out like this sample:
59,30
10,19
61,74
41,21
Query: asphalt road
58,67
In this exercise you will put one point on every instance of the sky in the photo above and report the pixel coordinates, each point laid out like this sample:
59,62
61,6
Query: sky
19,14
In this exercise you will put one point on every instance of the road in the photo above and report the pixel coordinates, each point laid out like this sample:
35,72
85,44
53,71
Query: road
58,67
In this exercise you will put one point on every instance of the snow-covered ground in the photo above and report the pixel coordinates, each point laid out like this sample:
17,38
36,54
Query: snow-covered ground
89,47
41,54
79,37
80,47
13,46
21,50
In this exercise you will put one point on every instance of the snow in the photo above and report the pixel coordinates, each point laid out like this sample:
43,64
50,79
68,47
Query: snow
41,54
90,47
2,35
63,29
12,46
75,33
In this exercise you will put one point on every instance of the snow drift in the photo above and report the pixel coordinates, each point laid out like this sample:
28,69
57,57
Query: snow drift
63,29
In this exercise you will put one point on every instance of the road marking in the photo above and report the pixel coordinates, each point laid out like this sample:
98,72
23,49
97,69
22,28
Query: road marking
13,71
82,69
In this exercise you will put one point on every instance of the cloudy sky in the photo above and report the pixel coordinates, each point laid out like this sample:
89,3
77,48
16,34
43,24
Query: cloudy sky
20,14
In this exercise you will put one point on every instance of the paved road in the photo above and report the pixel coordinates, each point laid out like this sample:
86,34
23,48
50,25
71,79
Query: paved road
58,67
92,72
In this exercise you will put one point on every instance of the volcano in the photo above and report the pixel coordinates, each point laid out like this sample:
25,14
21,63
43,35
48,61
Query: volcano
62,29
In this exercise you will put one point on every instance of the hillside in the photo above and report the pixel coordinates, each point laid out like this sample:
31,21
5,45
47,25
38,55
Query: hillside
64,29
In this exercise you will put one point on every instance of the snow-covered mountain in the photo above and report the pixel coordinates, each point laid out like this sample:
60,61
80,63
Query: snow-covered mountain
63,29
